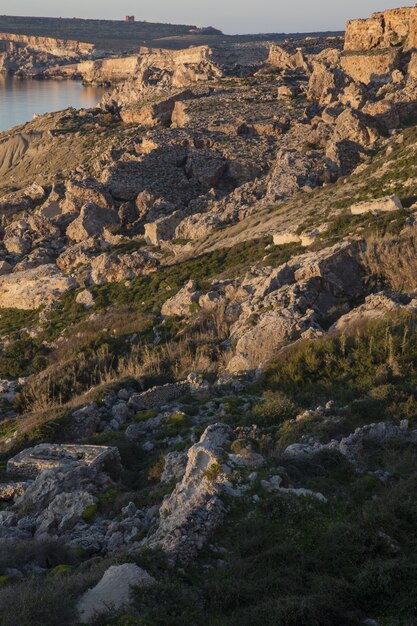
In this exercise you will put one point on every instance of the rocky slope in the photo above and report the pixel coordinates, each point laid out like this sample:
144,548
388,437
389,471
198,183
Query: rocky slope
208,306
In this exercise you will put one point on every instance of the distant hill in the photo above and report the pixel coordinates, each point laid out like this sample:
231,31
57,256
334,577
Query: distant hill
105,34
121,36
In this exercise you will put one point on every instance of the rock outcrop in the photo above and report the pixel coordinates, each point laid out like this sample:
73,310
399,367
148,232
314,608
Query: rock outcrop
33,288
378,46
379,205
33,461
194,509
113,593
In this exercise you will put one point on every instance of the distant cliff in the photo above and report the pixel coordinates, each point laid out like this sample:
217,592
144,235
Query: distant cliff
56,47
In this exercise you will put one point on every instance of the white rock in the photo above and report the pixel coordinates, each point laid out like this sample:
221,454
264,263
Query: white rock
113,592
384,205
33,288
85,298
285,237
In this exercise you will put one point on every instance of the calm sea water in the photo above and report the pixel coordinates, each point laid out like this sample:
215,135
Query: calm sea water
21,99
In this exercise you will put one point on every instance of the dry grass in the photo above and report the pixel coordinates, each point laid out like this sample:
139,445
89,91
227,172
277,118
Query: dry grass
392,259
64,387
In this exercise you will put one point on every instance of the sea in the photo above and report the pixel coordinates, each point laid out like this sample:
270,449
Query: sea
21,99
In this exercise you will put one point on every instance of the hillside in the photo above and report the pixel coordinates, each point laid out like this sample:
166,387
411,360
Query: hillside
208,331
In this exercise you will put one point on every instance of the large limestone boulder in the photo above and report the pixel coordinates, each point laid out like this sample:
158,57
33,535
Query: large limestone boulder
355,127
33,288
256,346
179,305
92,221
79,193
275,307
32,461
77,255
207,170
21,235
154,114
379,205
113,269
113,593
284,60
293,170
374,307
285,237
338,268
163,228
62,469
325,83
63,512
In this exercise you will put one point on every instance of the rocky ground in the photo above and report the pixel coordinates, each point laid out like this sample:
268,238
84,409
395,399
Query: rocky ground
207,340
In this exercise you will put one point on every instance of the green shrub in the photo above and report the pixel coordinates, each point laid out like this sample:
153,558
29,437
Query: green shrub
156,470
275,408
212,472
177,424
143,416
61,570
90,513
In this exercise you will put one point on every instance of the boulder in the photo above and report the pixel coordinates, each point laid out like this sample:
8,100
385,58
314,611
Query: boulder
285,237
91,222
210,301
113,593
111,268
337,267
162,229
355,127
284,60
85,298
325,83
179,305
207,170
21,235
154,114
33,288
293,171
379,205
374,307
63,512
77,255
79,193
33,461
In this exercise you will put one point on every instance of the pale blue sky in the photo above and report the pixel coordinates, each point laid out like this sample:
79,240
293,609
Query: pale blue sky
232,16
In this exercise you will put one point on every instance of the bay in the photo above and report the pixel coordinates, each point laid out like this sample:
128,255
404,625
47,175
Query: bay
20,99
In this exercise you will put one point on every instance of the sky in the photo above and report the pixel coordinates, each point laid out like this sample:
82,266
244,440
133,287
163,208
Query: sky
231,16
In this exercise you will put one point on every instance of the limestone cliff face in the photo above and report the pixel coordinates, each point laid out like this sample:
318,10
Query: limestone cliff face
383,30
56,47
31,56
164,68
113,70
377,46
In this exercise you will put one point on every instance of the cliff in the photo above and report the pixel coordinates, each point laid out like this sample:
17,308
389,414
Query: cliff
396,27
377,46
56,47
